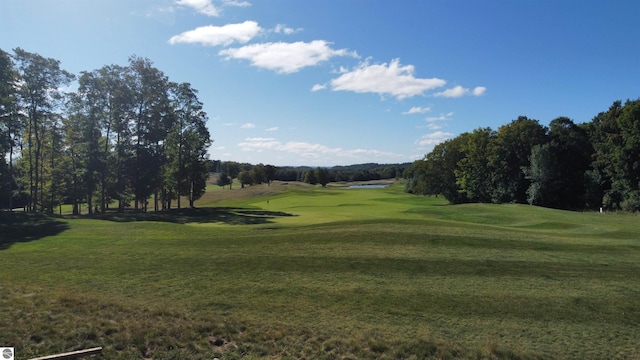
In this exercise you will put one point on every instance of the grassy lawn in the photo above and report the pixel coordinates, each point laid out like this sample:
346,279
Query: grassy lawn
293,271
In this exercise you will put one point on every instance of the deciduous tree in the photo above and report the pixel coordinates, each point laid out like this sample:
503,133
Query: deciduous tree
474,175
323,176
151,119
508,154
187,144
39,94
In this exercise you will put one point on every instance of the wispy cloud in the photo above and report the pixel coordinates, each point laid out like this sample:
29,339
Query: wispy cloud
318,87
441,117
205,7
460,91
258,144
417,110
310,150
248,126
284,29
236,3
433,139
286,58
272,129
391,79
219,35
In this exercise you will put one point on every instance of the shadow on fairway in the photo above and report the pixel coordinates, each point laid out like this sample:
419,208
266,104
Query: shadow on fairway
226,215
16,227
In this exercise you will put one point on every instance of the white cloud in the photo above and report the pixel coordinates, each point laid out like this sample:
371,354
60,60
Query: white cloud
304,148
455,92
283,29
479,90
236,3
258,144
201,6
271,129
434,126
286,57
417,110
441,117
318,87
433,139
309,150
248,126
385,79
460,91
219,35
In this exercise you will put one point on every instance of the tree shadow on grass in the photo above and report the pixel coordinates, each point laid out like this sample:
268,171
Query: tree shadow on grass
16,227
224,215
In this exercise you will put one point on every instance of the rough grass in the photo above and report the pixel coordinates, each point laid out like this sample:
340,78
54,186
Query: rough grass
327,274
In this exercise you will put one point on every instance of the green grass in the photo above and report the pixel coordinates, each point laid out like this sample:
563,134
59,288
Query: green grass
324,273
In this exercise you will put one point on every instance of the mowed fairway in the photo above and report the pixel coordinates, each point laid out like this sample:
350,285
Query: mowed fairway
293,272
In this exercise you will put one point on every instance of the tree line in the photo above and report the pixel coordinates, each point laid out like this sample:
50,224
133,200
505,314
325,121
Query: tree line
125,136
357,172
349,173
248,174
565,165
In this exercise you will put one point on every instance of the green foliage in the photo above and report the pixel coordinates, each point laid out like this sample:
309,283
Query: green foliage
245,178
270,173
7,78
631,201
39,97
224,180
259,174
573,154
187,143
232,168
473,171
509,152
566,166
350,173
310,177
323,176
436,174
9,128
128,133
541,173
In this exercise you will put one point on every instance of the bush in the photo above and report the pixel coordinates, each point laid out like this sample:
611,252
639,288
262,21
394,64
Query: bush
631,201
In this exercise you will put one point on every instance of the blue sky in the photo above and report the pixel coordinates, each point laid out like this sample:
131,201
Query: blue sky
338,82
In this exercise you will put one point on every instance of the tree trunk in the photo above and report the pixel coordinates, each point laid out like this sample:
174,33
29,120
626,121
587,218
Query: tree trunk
51,195
105,169
11,176
192,185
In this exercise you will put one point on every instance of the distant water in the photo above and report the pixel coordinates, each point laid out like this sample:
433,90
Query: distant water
370,186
